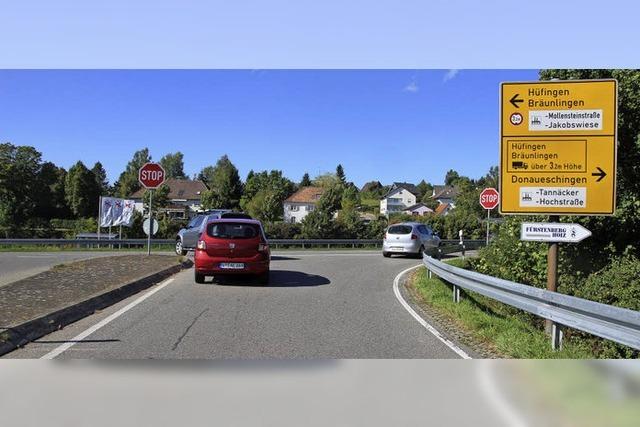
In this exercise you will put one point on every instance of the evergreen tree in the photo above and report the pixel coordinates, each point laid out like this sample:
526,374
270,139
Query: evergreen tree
426,190
451,177
340,174
306,181
101,178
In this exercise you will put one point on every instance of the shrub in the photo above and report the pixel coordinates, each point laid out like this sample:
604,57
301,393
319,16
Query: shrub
509,258
281,230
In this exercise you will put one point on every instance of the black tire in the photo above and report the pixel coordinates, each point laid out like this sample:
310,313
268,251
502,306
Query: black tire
199,277
179,250
420,252
263,279
386,254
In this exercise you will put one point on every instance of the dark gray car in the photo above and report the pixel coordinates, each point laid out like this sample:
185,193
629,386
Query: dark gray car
187,238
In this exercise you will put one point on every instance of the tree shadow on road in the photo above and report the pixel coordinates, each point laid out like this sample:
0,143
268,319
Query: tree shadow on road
278,279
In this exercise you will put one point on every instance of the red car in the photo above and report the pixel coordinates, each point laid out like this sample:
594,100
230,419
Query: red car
232,246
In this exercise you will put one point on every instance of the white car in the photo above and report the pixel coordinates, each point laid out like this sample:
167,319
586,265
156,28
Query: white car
409,238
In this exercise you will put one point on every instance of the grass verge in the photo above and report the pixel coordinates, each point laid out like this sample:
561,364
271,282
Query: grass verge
489,322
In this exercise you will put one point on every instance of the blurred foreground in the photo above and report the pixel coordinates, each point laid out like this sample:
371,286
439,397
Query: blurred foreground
331,392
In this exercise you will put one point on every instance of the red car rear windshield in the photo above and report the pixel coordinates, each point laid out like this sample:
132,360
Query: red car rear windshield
232,230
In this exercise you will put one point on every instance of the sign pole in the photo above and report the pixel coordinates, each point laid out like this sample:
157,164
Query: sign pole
552,272
488,217
150,222
99,214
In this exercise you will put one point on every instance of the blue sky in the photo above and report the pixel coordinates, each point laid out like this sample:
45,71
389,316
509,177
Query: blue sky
388,125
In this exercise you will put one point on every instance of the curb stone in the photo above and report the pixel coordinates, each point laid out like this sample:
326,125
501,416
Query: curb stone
20,335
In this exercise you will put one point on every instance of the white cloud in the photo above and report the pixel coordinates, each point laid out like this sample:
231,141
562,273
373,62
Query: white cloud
412,87
450,75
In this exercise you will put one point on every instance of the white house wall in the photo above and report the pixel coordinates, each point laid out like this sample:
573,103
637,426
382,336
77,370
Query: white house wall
404,199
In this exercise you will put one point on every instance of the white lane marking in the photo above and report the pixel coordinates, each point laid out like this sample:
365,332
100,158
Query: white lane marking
64,347
495,397
396,290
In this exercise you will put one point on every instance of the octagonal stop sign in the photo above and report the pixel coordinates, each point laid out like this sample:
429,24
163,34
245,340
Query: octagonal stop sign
151,175
489,198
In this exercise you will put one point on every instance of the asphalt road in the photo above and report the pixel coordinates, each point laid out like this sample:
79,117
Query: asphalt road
19,265
318,305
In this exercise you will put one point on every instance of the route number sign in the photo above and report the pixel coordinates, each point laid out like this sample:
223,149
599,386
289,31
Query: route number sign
558,147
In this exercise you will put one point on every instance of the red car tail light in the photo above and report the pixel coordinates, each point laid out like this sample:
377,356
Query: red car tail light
202,245
414,237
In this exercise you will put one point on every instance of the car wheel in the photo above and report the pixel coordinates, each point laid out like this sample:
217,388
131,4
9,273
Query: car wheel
263,279
420,251
386,254
179,249
199,277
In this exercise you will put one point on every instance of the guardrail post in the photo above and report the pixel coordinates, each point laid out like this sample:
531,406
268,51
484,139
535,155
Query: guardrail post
556,336
463,249
439,254
429,273
456,294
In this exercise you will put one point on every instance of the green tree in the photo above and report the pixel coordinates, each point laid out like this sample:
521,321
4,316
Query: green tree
225,187
320,224
326,180
20,167
425,189
349,221
101,178
50,196
451,177
340,174
491,179
264,193
128,183
173,165
306,181
350,198
81,191
159,200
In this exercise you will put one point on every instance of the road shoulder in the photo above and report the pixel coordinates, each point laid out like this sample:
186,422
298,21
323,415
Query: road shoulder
445,325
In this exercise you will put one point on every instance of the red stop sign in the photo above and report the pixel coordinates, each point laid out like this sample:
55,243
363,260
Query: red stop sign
151,175
489,198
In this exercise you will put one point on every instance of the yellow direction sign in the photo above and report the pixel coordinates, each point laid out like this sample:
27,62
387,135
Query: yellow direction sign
558,147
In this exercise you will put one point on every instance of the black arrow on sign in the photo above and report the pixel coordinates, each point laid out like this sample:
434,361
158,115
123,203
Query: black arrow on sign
515,101
601,174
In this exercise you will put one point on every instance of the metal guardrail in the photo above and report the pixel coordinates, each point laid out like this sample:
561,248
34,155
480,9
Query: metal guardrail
448,246
614,323
83,242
